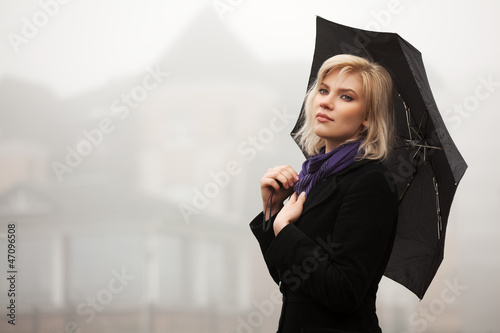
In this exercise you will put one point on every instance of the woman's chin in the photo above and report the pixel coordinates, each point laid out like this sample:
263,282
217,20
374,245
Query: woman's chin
321,132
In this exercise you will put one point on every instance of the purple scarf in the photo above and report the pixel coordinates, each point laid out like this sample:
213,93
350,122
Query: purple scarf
324,165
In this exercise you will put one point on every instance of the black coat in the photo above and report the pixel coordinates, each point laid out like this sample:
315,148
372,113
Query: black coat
329,262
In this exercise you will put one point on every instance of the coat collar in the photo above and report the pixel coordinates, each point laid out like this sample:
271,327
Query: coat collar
325,189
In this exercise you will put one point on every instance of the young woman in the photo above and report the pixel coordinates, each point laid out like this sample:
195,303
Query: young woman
328,245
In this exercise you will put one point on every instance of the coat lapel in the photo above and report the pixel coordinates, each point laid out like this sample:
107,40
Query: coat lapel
320,192
325,189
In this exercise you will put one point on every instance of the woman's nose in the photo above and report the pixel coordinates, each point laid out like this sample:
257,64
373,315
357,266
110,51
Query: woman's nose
327,103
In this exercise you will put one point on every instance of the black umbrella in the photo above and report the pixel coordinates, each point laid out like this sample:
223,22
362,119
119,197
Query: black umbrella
425,162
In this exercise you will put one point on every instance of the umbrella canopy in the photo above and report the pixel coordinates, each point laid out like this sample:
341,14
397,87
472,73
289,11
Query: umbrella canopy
425,162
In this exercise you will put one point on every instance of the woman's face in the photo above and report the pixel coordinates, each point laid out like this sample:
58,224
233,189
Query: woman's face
339,109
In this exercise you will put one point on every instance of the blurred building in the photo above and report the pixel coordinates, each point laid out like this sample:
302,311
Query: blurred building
90,207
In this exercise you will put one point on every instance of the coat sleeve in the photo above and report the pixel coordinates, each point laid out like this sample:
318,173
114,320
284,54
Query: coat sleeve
338,272
264,232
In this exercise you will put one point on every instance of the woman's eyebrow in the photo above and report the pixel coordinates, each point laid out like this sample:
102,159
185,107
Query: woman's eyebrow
348,90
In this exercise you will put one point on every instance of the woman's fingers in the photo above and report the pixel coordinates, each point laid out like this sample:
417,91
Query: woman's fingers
286,175
290,174
279,182
290,212
296,199
269,182
293,198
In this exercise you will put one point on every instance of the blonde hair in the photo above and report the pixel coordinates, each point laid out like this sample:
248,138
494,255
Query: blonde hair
378,96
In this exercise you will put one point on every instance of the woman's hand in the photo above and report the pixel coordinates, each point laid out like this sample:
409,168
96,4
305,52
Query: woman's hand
270,183
290,212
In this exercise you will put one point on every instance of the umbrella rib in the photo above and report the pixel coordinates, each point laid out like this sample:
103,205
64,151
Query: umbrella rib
413,144
399,147
408,185
407,111
438,205
424,119
438,208
418,132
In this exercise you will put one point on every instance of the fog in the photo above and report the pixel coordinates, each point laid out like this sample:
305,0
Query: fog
133,136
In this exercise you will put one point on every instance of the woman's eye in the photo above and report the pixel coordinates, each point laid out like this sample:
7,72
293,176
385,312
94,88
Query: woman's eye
347,98
323,91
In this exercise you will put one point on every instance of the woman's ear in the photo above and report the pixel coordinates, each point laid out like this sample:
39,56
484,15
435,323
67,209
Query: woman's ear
365,123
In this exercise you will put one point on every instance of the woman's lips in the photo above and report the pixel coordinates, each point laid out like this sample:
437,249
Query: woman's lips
323,118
